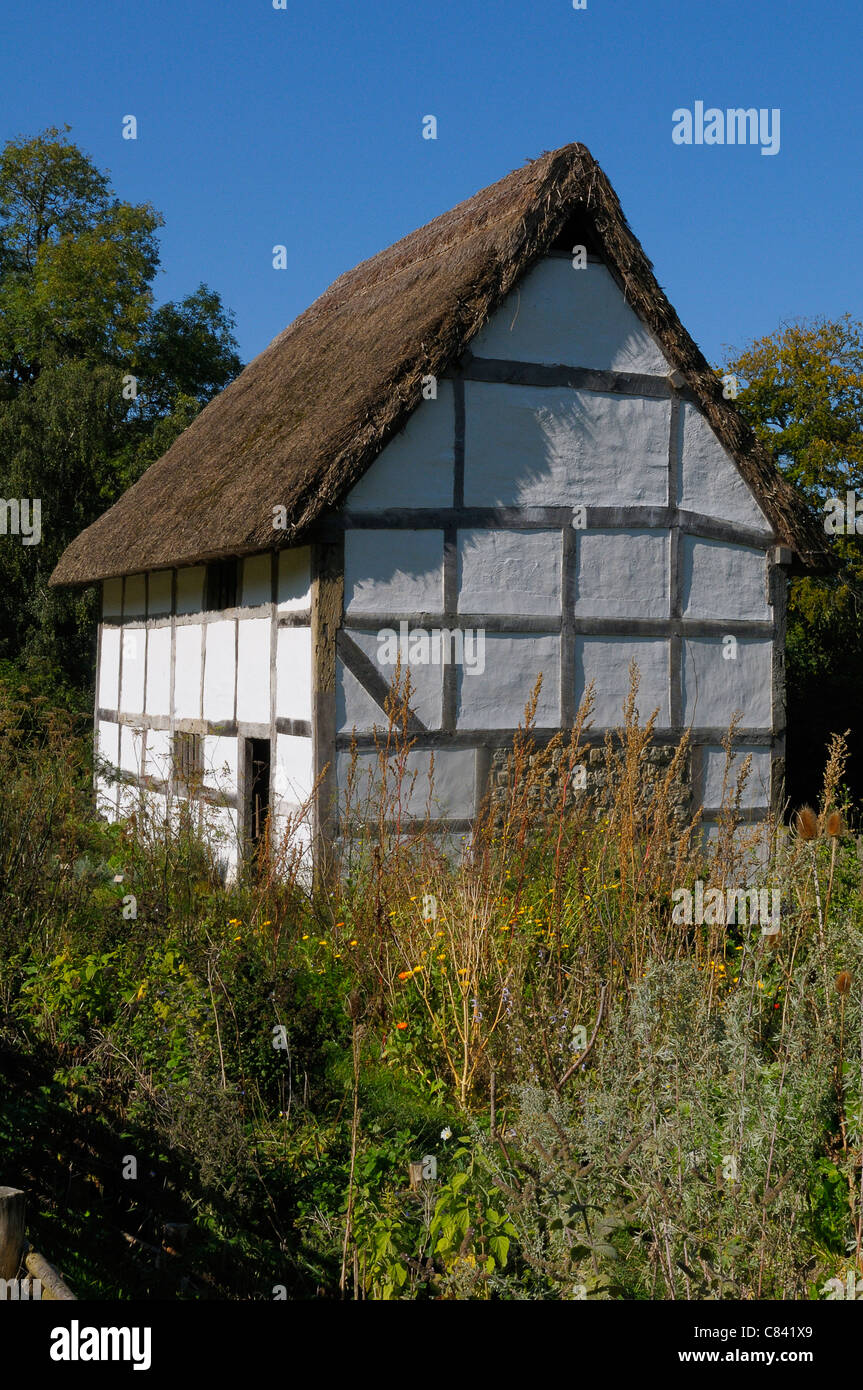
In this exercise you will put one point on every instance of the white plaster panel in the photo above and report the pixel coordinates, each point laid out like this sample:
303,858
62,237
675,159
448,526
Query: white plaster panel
159,593
509,571
220,828
394,571
605,661
557,314
106,799
108,742
109,668
293,774
187,672
495,697
257,582
158,758
220,763
294,673
135,597
112,598
449,794
715,686
543,446
220,667
357,709
295,583
134,642
190,589
131,749
710,482
622,574
416,468
291,840
723,581
158,697
129,800
757,789
751,844
253,671
152,804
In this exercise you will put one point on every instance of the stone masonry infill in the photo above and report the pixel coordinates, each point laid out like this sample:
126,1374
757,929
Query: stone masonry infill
598,787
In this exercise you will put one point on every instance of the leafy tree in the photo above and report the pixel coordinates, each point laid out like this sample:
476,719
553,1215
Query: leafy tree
803,395
187,350
77,319
75,263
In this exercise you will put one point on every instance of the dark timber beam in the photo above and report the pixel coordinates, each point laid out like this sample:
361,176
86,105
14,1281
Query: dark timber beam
328,589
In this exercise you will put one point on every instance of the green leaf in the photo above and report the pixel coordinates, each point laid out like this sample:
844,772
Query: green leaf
499,1247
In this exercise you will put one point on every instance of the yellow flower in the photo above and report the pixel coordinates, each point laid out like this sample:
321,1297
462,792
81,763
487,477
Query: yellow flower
352,943
268,923
306,937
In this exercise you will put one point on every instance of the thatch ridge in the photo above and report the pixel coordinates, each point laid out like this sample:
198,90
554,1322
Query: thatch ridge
303,422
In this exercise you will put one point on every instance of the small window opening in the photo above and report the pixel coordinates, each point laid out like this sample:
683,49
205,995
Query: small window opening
221,586
257,795
188,761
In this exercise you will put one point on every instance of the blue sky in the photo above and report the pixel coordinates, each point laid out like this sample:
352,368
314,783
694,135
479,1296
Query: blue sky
302,126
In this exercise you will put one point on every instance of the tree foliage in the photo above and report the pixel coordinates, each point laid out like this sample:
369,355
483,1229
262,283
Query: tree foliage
803,395
77,323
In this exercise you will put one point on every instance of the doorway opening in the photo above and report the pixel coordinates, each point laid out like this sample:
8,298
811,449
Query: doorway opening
257,808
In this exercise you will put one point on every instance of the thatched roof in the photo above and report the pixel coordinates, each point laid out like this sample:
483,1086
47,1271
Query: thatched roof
302,423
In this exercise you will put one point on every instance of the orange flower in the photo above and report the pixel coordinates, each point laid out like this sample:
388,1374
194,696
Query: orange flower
405,974
401,1025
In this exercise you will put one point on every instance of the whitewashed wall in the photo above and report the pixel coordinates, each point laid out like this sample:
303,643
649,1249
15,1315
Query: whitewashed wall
469,517
166,666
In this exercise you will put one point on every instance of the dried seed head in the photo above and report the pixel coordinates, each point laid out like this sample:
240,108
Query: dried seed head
833,825
843,982
806,823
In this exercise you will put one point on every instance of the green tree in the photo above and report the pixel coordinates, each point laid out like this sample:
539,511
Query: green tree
802,391
77,320
75,263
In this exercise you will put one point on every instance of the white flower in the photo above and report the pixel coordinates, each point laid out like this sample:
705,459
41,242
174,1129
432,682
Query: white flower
118,878
446,1133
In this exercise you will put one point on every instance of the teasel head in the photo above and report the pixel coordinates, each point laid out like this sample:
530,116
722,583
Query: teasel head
843,982
806,823
833,825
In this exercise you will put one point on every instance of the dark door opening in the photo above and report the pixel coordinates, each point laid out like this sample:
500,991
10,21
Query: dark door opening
257,796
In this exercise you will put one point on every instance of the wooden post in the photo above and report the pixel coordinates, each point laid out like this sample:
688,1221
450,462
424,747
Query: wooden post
328,588
12,1204
415,1173
53,1286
